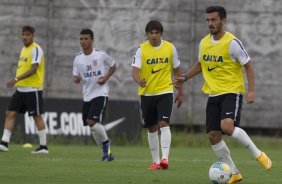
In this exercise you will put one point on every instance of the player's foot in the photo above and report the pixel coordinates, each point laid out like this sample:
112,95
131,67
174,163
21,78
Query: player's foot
154,166
4,146
265,161
164,163
41,150
107,155
235,178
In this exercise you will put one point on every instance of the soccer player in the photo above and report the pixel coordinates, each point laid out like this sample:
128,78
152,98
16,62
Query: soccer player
222,59
154,62
90,68
28,96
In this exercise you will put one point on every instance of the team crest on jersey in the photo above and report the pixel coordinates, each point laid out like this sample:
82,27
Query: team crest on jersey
94,62
156,61
212,58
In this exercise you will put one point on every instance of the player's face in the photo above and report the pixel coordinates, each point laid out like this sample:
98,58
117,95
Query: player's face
86,42
215,24
27,38
154,37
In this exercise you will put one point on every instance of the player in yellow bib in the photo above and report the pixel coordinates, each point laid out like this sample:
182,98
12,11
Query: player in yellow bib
154,62
28,96
222,59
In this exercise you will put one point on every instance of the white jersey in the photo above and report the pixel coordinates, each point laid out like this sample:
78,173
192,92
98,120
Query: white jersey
91,67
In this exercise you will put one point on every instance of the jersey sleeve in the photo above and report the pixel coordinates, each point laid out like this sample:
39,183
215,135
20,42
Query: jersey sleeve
238,53
175,58
199,59
137,58
109,61
37,55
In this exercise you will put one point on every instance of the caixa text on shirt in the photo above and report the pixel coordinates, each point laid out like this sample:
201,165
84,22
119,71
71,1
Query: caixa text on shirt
156,60
212,58
92,74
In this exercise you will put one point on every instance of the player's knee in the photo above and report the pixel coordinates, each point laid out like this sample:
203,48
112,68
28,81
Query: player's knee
227,126
214,137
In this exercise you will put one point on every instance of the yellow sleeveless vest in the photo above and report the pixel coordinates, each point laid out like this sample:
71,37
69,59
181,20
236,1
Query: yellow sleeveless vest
24,64
221,73
156,68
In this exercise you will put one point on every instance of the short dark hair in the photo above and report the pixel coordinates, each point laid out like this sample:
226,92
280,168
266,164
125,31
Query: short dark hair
221,11
28,29
87,32
154,24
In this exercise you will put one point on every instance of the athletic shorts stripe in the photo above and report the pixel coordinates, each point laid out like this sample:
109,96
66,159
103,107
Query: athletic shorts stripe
221,107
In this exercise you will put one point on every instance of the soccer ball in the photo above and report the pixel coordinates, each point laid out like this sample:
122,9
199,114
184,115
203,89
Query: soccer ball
220,173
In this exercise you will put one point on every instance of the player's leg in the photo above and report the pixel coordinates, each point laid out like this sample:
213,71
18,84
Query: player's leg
34,105
8,127
94,119
213,122
149,114
154,145
230,125
16,105
42,135
164,107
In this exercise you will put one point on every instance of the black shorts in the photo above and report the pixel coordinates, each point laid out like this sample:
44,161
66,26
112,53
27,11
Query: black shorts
27,101
221,107
94,109
156,108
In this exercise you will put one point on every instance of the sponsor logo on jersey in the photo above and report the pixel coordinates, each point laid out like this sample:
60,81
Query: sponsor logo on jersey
92,74
156,61
212,58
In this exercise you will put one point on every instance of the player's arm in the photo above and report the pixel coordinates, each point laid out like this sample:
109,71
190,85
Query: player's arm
136,67
250,73
239,53
76,78
106,77
177,73
179,98
136,77
195,70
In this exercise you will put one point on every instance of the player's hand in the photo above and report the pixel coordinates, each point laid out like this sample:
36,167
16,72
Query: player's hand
102,80
143,83
250,97
77,79
11,83
179,99
178,81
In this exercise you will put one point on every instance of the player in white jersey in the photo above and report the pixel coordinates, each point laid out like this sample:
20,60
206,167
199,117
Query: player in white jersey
90,68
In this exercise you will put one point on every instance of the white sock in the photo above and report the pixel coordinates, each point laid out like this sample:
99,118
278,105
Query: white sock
241,136
99,133
6,135
165,141
153,139
223,154
42,137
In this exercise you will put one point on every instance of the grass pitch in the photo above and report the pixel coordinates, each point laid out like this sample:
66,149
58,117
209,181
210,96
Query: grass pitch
69,164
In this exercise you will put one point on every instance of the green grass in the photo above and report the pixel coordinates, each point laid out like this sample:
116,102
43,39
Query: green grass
69,164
